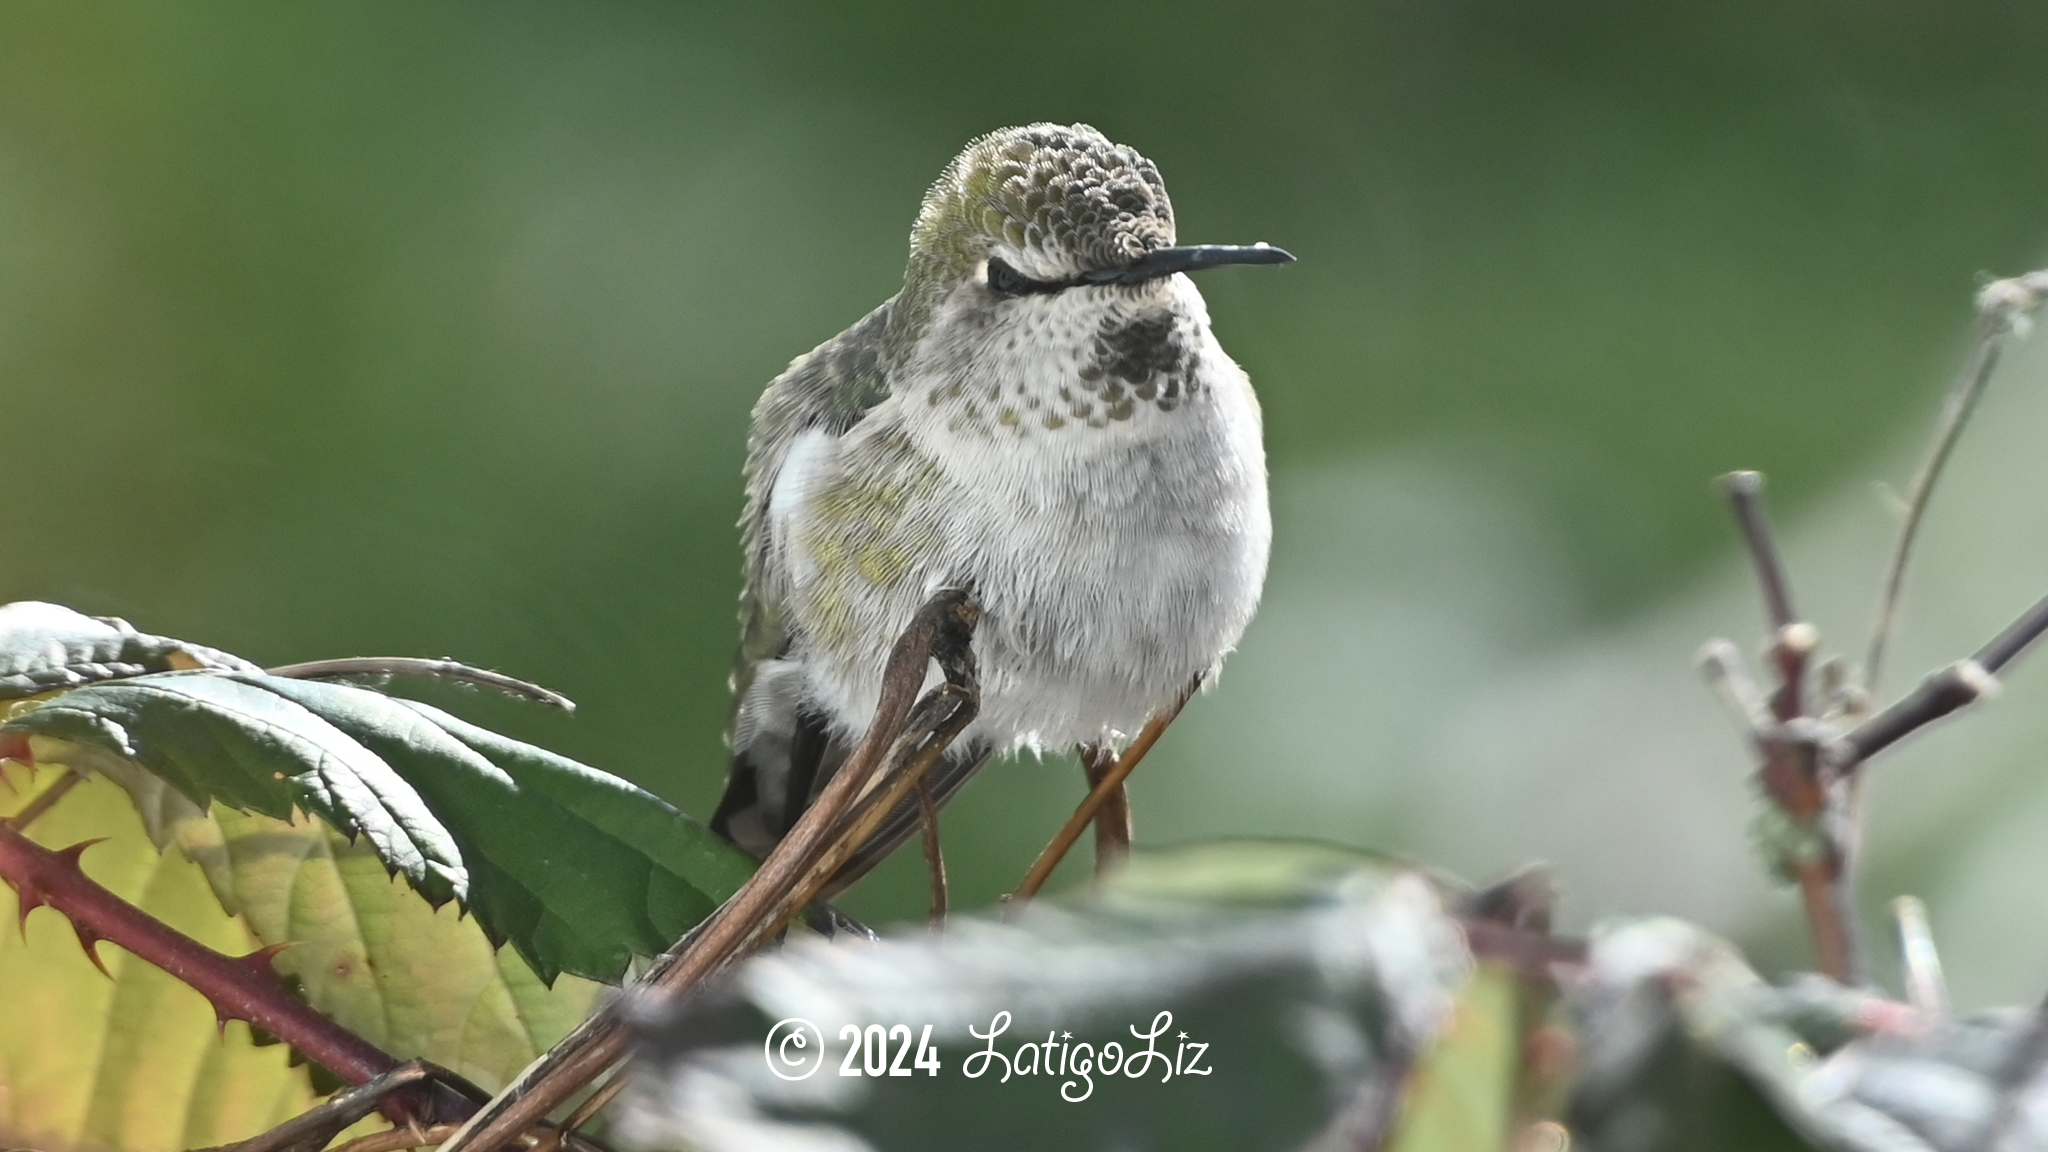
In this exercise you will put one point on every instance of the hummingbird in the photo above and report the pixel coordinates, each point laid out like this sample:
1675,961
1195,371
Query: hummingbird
1041,416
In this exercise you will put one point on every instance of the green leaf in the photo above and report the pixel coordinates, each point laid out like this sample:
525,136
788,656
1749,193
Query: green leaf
1685,1047
1311,978
578,870
216,738
135,1062
44,647
366,950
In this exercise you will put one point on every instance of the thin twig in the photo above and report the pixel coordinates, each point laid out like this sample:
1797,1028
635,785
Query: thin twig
941,717
2017,637
1720,662
934,855
566,1132
1063,841
591,1106
45,800
941,628
1745,492
1792,639
310,1130
398,1139
1960,684
1954,687
2002,307
414,666
1113,822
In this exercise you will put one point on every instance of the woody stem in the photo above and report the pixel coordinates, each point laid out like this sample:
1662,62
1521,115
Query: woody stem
238,988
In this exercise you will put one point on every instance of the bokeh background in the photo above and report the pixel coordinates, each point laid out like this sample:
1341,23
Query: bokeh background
433,329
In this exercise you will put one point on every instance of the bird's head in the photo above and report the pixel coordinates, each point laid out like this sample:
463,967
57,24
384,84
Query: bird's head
1048,219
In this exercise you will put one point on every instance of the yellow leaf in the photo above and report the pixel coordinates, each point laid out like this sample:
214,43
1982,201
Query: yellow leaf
135,1062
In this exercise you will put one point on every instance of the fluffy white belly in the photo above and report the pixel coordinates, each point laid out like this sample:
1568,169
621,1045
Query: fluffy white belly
1113,565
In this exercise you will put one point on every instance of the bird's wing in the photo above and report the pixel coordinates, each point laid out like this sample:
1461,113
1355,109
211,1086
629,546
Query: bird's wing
778,748
828,390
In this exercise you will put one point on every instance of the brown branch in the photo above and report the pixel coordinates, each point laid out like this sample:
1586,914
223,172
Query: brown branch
1793,780
1792,639
1805,773
1113,822
800,864
1831,911
572,1124
1788,743
310,1130
942,632
240,988
940,718
1745,492
1952,688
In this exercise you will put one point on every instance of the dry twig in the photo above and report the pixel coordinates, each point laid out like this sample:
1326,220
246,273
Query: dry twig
934,856
1113,822
2002,308
45,800
433,669
310,1130
1111,783
1955,686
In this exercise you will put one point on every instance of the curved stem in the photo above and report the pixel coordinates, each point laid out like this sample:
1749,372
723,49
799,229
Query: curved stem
1110,782
2001,308
416,666
934,855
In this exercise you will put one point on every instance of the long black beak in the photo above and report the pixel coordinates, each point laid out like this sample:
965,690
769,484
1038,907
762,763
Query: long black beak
1194,258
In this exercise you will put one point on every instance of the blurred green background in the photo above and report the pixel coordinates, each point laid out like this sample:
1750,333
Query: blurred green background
433,329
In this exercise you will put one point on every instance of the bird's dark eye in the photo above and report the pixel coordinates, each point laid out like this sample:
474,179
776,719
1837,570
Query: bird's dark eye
1004,280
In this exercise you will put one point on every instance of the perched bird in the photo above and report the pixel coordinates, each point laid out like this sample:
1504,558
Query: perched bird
1041,416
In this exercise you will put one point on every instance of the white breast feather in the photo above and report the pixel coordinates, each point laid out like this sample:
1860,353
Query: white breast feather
1113,564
